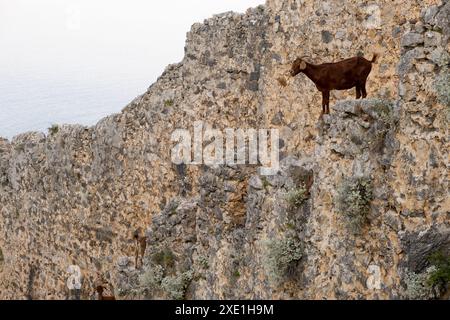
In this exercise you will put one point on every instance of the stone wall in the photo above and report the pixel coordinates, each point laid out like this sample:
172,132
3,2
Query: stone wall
76,194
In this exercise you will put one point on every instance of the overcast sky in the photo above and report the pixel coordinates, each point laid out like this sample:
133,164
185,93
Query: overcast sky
76,61
37,34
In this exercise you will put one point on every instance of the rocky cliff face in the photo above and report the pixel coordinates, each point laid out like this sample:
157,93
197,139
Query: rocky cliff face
359,204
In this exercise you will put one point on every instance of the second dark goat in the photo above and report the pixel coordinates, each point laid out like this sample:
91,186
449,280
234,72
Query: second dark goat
342,75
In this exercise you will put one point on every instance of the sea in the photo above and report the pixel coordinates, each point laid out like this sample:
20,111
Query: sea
35,101
76,61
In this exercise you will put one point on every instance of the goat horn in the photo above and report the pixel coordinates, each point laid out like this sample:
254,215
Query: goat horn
290,62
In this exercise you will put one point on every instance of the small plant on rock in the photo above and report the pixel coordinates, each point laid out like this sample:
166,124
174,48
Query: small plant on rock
441,275
152,277
164,258
296,197
156,279
265,182
418,286
53,129
353,201
430,283
281,256
203,261
384,109
175,286
168,103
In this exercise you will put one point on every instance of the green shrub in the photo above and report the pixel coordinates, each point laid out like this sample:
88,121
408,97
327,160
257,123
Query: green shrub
265,182
53,129
429,283
281,256
153,280
296,197
418,286
152,277
129,294
384,109
441,275
175,286
353,201
203,262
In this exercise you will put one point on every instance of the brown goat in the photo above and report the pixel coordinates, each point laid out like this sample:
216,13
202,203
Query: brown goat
100,289
140,247
341,75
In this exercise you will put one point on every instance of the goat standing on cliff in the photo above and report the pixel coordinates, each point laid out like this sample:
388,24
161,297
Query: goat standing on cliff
140,247
341,75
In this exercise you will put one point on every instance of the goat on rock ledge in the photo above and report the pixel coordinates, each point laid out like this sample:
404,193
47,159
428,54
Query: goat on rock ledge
342,75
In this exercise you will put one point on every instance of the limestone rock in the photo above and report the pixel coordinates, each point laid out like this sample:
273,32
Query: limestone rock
76,195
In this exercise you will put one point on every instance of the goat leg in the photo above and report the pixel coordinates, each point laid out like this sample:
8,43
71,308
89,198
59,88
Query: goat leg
363,89
327,102
136,257
358,92
324,108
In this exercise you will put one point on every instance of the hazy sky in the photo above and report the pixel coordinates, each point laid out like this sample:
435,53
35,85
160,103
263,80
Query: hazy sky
69,44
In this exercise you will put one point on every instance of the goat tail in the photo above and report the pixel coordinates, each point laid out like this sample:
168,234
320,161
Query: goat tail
375,58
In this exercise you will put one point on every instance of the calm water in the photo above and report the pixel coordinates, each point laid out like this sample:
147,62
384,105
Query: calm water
77,61
33,102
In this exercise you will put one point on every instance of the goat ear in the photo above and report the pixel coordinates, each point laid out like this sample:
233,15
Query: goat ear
303,65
